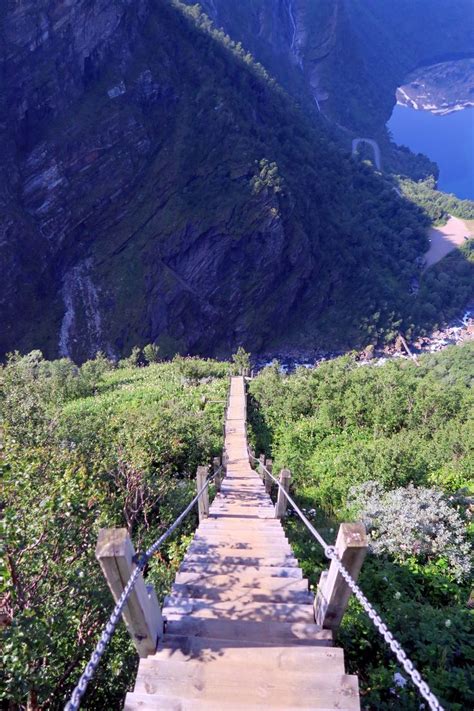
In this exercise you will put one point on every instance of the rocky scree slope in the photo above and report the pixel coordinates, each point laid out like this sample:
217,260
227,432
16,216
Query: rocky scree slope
158,186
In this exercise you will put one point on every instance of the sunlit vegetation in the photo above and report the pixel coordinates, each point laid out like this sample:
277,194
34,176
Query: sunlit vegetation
392,446
86,448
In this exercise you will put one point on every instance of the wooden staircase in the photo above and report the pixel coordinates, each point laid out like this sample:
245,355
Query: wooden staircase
240,631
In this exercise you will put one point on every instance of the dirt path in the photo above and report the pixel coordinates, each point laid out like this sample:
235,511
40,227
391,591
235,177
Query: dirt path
445,239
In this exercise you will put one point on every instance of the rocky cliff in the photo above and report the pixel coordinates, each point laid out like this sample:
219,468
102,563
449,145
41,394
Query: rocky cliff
348,56
158,185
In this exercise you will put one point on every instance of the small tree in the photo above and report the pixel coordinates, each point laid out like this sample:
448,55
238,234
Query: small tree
133,359
241,360
151,353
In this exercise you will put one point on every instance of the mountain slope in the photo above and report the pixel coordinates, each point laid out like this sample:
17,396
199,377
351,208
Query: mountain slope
348,55
159,186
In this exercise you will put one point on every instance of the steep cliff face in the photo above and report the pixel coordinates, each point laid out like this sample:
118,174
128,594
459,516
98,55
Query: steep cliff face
51,53
158,186
348,56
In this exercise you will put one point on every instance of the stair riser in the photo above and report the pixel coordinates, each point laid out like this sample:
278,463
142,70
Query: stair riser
281,562
230,652
255,582
222,569
253,632
263,597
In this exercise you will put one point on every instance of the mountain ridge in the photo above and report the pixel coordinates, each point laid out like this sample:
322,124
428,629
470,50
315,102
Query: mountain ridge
177,194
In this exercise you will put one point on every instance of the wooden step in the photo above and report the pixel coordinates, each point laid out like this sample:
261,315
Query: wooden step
220,520
241,535
246,550
274,656
241,579
236,558
227,547
219,568
294,633
175,607
241,538
145,702
154,678
263,596
239,667
294,690
250,513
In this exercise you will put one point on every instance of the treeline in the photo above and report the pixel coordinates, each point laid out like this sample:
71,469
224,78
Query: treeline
436,204
392,446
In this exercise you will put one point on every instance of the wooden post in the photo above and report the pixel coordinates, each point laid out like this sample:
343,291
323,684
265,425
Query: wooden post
203,501
267,479
333,592
142,614
261,464
280,507
216,464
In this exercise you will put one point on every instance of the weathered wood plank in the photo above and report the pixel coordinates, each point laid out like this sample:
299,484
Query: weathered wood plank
142,614
333,592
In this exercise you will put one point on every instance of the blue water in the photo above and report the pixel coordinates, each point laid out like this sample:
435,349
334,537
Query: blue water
448,140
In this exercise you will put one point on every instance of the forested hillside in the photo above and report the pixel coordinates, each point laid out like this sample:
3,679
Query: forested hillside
392,446
350,55
161,187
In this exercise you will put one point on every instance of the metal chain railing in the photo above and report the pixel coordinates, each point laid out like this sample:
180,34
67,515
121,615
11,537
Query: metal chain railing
89,671
331,553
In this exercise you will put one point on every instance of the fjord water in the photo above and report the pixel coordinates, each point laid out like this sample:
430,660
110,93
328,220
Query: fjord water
448,140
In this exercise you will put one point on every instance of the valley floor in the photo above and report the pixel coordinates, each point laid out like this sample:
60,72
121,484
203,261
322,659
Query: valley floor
446,238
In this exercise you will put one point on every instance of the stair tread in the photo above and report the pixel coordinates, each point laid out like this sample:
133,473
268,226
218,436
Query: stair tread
206,648
285,561
262,596
241,579
280,612
270,631
309,691
145,702
214,568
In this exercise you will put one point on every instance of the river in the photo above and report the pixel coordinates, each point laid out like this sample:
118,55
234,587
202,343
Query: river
447,139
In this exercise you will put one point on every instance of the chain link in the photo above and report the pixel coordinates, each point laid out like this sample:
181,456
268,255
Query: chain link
331,553
75,701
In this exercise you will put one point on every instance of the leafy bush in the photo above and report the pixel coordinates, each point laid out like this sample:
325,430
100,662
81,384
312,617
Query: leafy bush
401,437
413,522
85,448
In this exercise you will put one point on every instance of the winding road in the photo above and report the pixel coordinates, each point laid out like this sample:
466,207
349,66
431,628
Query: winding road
375,146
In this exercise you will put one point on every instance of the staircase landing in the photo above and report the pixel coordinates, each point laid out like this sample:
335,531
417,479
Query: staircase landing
240,631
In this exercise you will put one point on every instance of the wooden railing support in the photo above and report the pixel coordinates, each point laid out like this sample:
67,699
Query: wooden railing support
333,592
142,614
203,501
280,506
219,475
267,480
261,464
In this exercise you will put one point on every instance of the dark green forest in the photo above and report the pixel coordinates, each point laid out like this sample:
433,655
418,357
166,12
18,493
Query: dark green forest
238,181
